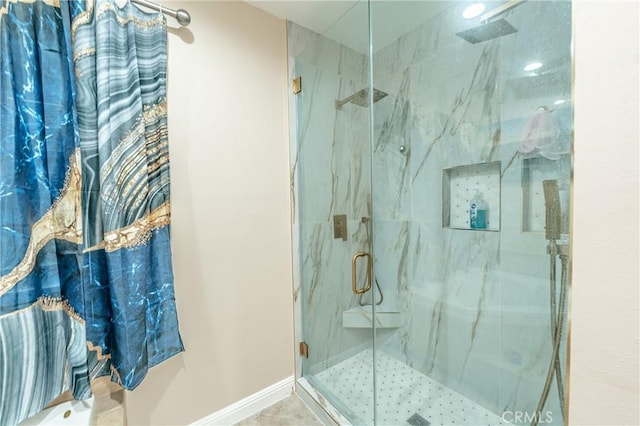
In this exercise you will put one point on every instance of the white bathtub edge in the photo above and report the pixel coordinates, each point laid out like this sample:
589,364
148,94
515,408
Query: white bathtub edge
250,405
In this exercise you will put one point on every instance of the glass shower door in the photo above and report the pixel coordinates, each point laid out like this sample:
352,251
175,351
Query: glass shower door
332,190
445,159
471,167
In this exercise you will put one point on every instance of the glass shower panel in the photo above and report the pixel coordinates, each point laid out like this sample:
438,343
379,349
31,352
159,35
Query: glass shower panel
332,187
471,170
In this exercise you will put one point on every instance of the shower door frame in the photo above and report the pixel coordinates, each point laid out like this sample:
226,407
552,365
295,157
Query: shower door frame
319,403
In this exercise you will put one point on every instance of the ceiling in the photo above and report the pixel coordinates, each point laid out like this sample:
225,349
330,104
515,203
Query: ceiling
347,21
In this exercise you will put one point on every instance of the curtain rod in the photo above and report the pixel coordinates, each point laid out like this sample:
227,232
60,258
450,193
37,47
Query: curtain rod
181,15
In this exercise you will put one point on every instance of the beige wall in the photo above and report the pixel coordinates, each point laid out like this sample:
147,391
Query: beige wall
230,231
604,328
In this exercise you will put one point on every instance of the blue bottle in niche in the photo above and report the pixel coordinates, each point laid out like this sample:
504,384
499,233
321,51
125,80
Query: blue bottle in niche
478,212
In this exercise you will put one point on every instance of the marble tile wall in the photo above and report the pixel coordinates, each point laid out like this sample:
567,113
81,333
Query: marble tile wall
330,170
544,33
475,304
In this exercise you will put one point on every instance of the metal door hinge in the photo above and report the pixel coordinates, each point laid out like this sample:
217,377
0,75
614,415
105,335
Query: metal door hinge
297,85
304,350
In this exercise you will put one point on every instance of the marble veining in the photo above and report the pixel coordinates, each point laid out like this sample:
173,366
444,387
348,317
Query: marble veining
329,173
474,305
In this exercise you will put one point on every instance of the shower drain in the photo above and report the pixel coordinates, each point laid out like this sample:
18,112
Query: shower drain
418,420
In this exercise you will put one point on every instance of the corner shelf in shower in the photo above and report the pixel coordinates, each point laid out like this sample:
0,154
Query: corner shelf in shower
362,317
459,185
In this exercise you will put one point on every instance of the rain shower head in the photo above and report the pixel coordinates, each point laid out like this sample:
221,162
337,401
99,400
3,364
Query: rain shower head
361,98
489,31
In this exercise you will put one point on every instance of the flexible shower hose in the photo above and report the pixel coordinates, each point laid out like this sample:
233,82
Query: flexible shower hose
557,337
379,302
554,324
558,366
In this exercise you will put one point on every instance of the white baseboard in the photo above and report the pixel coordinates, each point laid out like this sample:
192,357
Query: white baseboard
250,405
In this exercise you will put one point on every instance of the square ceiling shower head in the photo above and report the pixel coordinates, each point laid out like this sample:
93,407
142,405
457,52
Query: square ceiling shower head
487,31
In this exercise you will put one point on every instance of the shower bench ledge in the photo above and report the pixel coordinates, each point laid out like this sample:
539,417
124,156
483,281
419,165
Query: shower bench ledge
361,317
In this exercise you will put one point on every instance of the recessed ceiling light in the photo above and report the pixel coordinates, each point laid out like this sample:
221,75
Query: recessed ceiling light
560,101
533,66
474,10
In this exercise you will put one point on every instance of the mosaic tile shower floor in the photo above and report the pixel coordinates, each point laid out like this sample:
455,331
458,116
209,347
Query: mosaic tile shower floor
402,392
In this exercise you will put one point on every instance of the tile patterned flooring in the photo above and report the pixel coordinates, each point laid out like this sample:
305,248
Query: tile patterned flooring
403,393
406,397
288,412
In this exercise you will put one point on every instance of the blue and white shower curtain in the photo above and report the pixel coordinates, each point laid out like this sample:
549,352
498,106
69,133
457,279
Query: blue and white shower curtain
86,283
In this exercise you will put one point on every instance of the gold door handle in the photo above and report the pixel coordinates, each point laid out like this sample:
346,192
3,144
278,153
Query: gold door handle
354,260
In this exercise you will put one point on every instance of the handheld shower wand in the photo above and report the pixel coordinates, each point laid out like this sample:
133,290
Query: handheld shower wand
552,210
553,225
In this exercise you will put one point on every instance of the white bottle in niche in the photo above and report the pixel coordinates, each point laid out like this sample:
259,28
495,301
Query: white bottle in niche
478,212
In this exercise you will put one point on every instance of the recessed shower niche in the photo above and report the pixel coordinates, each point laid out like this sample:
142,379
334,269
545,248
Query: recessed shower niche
461,184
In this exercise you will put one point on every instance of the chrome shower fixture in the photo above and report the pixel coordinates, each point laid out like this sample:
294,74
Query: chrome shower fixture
361,98
485,32
490,29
